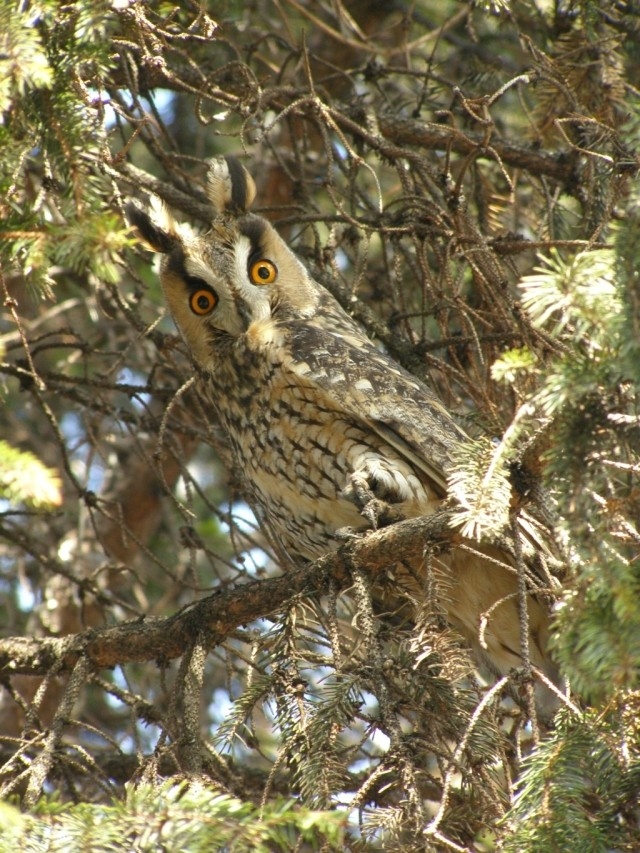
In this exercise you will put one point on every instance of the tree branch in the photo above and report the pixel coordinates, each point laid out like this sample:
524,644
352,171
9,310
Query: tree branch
401,131
218,615
393,129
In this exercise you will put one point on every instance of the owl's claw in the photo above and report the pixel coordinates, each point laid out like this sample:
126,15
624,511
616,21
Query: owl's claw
348,533
376,512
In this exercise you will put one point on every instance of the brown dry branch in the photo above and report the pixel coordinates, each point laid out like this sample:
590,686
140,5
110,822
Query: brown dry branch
395,137
218,615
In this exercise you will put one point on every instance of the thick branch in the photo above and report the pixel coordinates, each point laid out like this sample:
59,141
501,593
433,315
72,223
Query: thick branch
422,134
218,615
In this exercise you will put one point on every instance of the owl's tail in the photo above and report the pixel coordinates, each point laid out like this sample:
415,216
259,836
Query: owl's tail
476,588
480,594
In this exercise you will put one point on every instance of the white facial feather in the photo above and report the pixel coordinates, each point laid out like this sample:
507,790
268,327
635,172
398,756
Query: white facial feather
256,297
164,219
225,315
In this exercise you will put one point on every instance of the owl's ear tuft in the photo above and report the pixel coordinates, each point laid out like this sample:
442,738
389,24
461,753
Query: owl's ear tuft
155,225
229,186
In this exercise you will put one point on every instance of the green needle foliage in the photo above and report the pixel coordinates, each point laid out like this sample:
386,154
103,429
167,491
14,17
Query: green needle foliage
24,479
171,817
579,787
591,399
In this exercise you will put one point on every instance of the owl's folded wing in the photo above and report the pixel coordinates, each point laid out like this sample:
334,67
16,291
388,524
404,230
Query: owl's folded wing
350,372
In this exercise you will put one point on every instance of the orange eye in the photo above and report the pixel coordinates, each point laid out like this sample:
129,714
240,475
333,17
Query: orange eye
203,301
263,272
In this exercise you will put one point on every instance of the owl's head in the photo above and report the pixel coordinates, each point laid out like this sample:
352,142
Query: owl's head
240,272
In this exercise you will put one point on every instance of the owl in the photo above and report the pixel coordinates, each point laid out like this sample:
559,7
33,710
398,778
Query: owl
328,431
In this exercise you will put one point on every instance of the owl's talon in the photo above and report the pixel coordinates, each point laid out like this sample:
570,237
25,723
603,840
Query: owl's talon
359,491
376,512
349,533
385,514
372,512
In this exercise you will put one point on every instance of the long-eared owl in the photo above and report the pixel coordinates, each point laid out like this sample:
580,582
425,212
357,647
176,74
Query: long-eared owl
325,427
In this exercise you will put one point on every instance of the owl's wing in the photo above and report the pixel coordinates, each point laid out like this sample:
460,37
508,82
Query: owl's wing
347,372
347,369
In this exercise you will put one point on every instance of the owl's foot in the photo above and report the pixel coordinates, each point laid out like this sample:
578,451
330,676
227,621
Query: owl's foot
376,512
348,534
